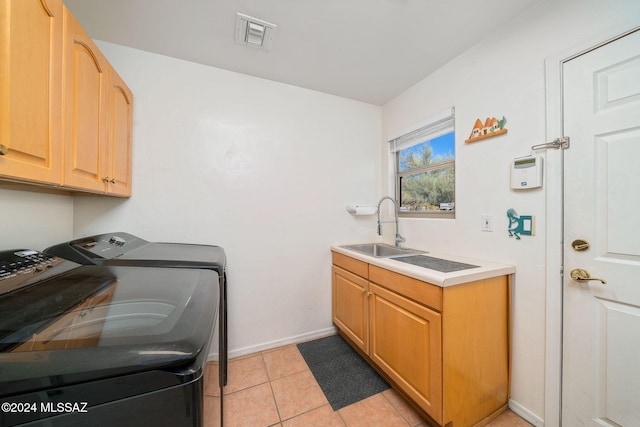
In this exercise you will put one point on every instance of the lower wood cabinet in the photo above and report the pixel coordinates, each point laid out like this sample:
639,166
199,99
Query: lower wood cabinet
350,304
406,343
445,349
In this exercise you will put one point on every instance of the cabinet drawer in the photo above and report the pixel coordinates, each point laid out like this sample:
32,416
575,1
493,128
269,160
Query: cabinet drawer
350,264
424,293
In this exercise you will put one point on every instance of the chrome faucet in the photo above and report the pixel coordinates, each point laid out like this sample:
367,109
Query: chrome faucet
399,238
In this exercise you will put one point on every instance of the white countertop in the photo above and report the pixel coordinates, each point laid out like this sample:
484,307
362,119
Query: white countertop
484,270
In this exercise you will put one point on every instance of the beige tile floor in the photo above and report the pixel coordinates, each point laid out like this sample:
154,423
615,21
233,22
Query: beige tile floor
276,388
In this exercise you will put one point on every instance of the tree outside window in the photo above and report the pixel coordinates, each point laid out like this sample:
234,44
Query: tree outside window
426,177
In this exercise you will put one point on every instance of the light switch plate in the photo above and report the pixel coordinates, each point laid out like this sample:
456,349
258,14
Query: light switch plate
528,225
487,222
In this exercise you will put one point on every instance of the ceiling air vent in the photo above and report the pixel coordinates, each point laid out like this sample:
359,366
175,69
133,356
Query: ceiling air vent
254,32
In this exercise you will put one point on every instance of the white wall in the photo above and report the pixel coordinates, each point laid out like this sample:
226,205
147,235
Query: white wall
34,220
263,169
503,75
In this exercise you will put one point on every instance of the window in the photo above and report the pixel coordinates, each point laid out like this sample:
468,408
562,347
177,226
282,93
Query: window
425,168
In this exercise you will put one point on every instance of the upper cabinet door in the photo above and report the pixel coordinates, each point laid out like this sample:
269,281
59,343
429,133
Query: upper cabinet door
119,124
85,110
30,91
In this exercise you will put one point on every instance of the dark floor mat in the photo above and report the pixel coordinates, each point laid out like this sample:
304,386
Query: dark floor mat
343,375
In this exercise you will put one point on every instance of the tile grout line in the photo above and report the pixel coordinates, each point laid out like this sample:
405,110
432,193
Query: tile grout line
280,420
270,380
273,395
396,408
307,368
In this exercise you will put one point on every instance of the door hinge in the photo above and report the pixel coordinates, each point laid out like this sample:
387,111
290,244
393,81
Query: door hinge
556,144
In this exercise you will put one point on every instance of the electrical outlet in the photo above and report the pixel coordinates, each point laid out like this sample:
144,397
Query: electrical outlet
487,222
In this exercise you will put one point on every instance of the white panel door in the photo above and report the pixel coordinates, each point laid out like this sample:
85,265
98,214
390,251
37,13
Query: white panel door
601,354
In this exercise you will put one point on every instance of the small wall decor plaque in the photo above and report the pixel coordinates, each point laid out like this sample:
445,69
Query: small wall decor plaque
490,127
520,225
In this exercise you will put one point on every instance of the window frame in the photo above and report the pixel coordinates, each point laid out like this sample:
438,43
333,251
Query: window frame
441,124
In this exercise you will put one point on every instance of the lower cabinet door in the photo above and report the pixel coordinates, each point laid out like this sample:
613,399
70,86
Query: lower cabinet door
349,306
406,343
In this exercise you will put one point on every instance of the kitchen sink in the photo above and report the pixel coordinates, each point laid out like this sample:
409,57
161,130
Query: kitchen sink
382,250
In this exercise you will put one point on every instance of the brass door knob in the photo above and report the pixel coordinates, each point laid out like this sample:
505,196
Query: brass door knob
581,275
3,149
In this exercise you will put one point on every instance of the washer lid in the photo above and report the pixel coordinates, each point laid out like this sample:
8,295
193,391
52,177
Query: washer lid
95,322
175,255
121,248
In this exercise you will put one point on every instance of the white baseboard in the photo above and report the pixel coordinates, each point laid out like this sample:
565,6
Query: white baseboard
274,344
525,413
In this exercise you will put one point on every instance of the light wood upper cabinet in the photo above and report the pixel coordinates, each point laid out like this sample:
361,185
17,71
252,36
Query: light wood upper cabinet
85,110
65,114
99,109
119,125
31,40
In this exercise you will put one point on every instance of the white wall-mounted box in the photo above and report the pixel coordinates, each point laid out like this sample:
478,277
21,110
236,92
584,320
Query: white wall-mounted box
526,172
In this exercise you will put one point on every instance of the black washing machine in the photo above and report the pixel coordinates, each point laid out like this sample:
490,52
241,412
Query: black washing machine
102,345
124,249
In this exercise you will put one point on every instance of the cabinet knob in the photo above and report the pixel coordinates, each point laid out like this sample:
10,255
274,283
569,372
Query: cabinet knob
3,149
108,180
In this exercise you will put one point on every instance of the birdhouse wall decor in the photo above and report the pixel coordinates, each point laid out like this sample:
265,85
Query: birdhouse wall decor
490,127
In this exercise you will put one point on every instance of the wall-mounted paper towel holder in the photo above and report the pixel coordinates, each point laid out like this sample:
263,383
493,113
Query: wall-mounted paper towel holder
362,209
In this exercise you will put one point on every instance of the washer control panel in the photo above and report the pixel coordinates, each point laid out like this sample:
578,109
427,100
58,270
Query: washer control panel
21,267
